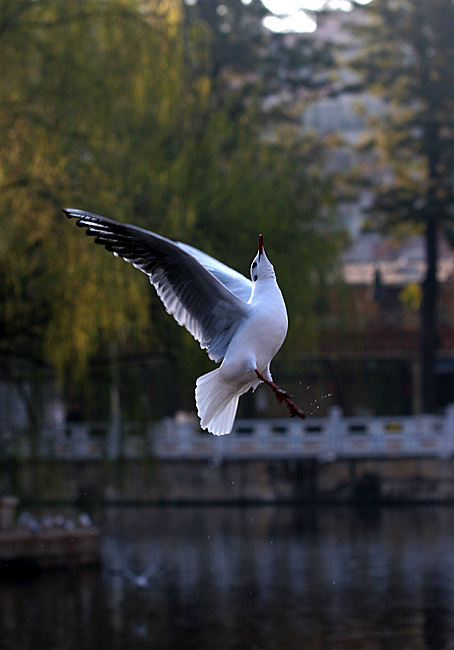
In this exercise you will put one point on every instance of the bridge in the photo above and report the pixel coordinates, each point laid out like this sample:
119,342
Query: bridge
325,439
180,438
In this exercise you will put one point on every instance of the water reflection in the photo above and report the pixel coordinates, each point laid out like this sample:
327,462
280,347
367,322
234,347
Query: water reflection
267,578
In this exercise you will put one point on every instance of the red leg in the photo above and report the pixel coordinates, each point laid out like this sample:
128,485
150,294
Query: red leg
282,396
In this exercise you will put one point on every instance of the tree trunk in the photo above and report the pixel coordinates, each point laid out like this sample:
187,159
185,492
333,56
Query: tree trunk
114,442
429,317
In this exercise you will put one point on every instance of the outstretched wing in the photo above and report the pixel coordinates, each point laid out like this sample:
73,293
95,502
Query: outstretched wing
194,296
237,283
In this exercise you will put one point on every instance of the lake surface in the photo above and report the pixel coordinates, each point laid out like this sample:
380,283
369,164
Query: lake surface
268,578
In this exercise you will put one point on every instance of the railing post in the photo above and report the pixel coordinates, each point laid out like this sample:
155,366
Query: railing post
336,431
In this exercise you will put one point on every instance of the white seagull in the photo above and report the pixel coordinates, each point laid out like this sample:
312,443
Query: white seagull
238,321
140,579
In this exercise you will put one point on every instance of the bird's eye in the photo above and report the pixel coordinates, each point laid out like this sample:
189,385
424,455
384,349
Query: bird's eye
254,264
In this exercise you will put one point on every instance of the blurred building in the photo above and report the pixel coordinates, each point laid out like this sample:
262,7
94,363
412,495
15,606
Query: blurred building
373,353
341,110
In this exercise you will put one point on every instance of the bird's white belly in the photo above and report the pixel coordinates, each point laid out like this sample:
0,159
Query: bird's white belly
254,346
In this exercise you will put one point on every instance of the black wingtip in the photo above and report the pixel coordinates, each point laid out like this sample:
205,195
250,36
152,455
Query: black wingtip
68,213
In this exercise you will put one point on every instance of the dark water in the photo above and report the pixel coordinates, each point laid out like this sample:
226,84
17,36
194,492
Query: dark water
269,578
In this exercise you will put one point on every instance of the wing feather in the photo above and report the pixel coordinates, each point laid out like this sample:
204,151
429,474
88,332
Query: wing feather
192,294
237,283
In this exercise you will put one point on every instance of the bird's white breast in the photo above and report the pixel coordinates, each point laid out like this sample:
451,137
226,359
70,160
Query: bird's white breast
260,336
268,324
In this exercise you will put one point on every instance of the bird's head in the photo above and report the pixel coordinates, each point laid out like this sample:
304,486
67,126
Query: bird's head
261,267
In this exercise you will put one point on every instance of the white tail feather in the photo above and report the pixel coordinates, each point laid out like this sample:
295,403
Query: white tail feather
216,404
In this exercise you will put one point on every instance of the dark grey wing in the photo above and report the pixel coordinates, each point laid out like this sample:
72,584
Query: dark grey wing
195,298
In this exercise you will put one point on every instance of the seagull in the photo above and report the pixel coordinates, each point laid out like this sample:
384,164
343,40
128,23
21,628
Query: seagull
241,323
138,579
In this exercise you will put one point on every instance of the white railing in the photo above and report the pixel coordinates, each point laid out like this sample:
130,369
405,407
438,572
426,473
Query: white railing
322,438
181,438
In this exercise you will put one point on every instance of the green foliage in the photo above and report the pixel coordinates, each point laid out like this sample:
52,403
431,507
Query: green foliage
408,58
410,296
115,107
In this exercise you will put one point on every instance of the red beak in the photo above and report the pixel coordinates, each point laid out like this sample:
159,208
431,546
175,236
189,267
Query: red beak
260,246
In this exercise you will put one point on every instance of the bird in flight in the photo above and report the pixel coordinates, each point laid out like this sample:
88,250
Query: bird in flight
141,580
239,322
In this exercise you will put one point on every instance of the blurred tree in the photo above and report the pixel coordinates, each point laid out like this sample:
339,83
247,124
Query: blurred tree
407,56
114,107
65,84
251,62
